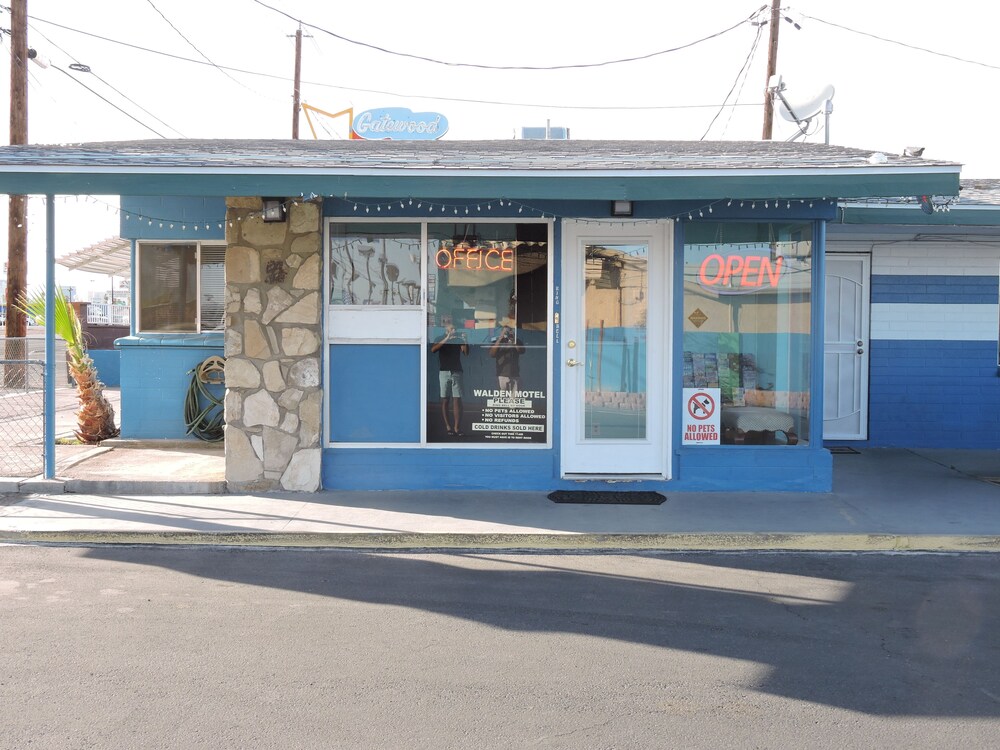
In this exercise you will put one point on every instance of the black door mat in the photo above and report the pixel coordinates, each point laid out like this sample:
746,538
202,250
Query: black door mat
602,497
844,450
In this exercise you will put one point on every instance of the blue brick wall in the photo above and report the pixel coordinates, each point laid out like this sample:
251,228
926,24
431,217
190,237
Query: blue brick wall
934,394
969,290
155,381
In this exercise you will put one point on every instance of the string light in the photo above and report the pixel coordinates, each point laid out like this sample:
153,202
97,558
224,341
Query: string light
940,203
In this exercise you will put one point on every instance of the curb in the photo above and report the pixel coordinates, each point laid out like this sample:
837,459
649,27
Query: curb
141,487
525,542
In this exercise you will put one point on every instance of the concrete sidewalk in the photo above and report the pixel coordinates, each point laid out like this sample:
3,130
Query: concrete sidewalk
883,499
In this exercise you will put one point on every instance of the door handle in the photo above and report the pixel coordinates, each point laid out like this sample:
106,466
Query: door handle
573,362
860,350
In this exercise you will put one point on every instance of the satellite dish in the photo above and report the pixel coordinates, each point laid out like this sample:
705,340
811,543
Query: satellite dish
802,112
799,112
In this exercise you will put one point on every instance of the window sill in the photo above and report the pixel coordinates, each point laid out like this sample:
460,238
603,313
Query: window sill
212,339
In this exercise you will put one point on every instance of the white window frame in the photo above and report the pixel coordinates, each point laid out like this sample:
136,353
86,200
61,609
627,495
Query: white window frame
420,311
137,298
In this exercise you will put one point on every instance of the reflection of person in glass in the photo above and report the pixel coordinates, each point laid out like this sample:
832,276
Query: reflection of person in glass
507,351
450,349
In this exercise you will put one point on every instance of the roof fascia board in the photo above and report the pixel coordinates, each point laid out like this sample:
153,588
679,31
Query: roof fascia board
460,185
455,172
966,216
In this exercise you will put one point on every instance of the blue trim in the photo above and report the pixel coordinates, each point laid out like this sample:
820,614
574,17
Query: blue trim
634,185
482,209
706,469
940,290
188,340
50,338
818,325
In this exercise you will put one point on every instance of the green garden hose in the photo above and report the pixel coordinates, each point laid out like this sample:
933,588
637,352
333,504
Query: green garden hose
204,414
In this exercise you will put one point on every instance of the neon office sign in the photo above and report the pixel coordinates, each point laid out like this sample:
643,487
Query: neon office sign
399,124
744,272
469,258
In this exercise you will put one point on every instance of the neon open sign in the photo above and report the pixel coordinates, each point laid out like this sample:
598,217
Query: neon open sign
475,258
744,271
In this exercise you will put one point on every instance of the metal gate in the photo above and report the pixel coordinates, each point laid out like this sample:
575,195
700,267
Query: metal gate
22,404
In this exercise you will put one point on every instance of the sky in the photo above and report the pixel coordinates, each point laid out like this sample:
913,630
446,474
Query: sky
888,96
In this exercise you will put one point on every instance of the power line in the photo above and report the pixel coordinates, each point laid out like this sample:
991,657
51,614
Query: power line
74,78
745,67
276,77
509,67
121,94
191,44
902,44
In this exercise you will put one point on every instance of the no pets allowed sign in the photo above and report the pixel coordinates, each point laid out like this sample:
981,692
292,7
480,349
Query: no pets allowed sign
701,416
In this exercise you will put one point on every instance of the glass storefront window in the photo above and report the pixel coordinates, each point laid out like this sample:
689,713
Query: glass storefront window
487,319
747,313
375,264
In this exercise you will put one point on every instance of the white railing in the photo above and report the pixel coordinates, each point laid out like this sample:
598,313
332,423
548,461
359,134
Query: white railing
103,314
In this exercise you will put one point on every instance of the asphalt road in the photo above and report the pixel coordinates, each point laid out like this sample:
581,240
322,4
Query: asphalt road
124,647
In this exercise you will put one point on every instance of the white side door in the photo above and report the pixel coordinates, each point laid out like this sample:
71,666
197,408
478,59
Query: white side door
845,361
613,349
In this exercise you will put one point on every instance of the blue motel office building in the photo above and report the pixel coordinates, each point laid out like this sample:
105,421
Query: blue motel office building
534,315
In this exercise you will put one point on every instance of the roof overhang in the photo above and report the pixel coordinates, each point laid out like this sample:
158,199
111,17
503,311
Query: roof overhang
112,257
969,215
568,170
452,184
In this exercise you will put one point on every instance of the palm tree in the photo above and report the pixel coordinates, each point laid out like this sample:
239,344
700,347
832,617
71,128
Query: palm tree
96,415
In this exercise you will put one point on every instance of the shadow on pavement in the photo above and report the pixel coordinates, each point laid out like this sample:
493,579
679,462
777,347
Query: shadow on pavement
903,635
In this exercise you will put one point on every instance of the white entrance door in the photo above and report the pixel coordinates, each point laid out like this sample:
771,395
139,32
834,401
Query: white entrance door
613,349
845,361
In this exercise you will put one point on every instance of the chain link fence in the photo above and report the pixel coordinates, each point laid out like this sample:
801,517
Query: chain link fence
22,403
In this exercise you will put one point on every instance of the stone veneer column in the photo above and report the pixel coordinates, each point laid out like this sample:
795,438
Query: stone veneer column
273,337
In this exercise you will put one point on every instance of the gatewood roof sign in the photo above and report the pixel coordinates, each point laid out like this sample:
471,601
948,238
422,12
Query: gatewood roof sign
400,124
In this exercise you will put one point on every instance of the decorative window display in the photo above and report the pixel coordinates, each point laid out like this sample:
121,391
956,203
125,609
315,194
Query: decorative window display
487,317
469,303
747,326
375,264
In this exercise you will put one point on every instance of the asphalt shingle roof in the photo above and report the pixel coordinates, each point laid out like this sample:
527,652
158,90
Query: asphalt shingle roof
517,155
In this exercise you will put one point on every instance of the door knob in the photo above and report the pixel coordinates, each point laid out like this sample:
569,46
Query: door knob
573,362
860,350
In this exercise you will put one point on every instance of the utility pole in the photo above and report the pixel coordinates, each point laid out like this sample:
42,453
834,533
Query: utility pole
296,93
772,65
17,227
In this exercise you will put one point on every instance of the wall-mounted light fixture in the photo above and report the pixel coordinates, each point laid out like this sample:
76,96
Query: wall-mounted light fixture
621,208
273,209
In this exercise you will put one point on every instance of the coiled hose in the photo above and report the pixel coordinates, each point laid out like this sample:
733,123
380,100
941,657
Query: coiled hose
204,414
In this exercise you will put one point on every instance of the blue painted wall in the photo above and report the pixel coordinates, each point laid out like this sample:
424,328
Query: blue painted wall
155,378
374,393
171,217
108,363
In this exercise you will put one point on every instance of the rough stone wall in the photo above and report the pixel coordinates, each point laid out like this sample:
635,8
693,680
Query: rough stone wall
273,334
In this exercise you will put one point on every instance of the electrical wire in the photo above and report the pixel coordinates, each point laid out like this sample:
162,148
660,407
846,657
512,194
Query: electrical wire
739,93
741,74
901,44
274,76
192,45
108,101
511,67
121,94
